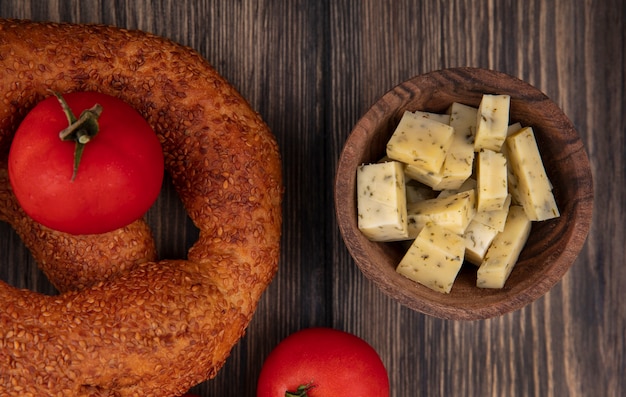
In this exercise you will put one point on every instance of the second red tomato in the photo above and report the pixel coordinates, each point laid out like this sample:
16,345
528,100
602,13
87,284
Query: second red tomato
322,362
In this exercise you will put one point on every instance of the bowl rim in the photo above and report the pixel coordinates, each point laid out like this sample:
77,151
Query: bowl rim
396,98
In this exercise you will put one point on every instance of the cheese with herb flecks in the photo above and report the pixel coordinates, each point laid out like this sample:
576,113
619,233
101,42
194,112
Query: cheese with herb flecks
504,251
457,166
492,122
478,238
428,178
469,184
468,175
434,258
533,188
381,201
491,181
511,179
420,141
496,218
453,212
440,117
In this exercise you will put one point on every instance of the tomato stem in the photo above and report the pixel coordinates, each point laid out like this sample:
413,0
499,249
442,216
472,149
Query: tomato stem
80,130
301,391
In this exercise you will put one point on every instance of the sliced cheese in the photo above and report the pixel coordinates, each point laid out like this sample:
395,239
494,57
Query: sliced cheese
533,188
511,179
457,166
491,180
381,201
428,178
513,128
469,184
504,251
496,218
453,212
492,122
421,142
463,186
478,238
442,118
434,258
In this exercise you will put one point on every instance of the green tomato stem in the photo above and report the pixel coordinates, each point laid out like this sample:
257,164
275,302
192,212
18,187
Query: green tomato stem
80,130
85,126
301,391
71,119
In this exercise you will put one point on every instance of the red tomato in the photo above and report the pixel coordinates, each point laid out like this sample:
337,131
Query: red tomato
117,180
323,362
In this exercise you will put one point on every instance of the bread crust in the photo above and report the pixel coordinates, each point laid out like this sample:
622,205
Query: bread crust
135,326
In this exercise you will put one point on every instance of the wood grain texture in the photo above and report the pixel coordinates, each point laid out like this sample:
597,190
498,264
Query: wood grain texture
312,69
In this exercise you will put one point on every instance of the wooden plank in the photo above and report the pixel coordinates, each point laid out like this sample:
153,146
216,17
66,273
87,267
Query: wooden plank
540,349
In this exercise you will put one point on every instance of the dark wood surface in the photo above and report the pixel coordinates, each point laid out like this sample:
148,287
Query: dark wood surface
312,68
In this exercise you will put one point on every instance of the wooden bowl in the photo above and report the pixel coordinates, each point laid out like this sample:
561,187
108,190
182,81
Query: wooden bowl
553,245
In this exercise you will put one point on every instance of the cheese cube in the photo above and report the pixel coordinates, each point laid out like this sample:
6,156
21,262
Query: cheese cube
428,178
434,259
442,118
492,122
453,212
478,238
496,218
513,128
381,201
511,179
469,184
533,189
457,166
504,251
420,141
463,118
491,180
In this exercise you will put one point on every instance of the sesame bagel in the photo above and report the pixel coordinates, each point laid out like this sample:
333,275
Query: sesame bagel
130,325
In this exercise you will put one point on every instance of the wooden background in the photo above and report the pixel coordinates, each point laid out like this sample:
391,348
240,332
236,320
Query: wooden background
312,68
